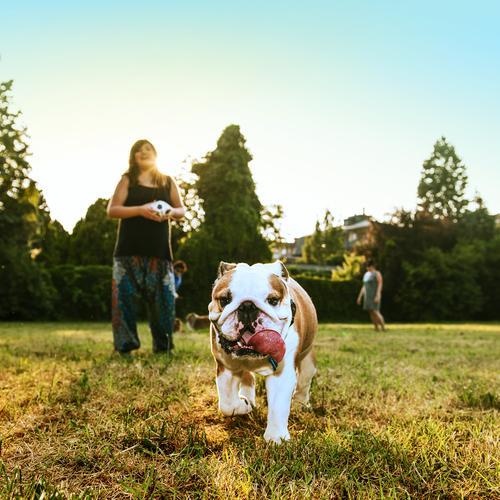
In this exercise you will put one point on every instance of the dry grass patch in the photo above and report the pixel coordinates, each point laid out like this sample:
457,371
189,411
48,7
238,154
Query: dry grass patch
411,413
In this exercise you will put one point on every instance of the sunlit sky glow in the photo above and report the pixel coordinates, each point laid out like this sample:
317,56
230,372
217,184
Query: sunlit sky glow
340,102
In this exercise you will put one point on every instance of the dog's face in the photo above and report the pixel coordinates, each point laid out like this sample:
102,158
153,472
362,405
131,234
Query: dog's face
247,299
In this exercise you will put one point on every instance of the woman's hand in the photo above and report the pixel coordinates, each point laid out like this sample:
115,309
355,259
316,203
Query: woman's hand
376,299
148,213
174,214
360,295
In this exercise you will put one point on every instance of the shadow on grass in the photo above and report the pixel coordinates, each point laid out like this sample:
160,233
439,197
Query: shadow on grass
476,398
345,464
13,486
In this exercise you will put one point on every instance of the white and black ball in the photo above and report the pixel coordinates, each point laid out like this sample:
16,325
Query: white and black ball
161,207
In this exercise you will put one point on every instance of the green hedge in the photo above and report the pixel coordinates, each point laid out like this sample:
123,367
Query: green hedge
335,301
194,296
84,293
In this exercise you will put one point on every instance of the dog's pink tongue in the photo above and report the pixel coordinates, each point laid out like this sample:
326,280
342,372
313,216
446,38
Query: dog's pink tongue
267,342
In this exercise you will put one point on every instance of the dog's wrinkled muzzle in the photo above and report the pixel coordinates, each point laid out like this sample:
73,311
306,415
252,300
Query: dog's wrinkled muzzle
257,303
247,314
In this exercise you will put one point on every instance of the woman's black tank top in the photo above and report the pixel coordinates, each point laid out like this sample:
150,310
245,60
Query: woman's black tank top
141,236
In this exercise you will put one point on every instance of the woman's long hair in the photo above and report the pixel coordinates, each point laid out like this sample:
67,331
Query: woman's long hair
134,171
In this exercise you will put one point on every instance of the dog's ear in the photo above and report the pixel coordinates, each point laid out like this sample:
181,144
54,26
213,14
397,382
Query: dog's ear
224,267
280,270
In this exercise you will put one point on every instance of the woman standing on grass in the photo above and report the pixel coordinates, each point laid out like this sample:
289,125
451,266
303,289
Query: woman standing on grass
142,263
371,293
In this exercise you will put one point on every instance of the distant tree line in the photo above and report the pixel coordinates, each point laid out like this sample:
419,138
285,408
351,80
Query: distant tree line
325,246
39,259
439,262
442,260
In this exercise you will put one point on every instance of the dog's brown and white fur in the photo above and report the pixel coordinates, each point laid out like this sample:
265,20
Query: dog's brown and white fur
275,295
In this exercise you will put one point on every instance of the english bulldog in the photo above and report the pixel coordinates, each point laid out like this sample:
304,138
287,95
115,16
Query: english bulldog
262,321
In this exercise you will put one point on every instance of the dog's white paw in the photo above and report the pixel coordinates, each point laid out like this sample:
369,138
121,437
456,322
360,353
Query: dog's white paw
276,437
240,407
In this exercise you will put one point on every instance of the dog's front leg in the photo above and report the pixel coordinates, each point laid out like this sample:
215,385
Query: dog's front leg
228,385
279,398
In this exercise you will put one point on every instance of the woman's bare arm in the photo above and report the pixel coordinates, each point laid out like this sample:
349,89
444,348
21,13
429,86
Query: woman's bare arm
380,283
178,211
361,293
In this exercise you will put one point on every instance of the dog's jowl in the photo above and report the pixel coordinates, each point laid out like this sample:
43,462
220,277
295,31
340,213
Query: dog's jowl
262,321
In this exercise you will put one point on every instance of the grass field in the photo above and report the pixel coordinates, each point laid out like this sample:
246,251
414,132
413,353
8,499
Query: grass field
411,413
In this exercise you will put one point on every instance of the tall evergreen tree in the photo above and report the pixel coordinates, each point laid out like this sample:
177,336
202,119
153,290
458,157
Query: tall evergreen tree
232,223
23,211
441,191
25,290
232,209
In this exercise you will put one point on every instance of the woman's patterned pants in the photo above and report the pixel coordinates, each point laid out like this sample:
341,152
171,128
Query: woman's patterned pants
152,280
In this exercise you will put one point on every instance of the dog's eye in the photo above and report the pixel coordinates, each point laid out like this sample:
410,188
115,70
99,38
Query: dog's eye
224,301
273,301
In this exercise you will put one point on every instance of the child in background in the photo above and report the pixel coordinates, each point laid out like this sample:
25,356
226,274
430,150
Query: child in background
180,267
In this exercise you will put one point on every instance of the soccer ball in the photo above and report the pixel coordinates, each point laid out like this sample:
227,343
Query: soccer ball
161,207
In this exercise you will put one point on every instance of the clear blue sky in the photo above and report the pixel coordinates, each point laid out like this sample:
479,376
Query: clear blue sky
340,102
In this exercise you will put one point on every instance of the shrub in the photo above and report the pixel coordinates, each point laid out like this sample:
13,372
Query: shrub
334,301
26,291
442,286
309,271
83,292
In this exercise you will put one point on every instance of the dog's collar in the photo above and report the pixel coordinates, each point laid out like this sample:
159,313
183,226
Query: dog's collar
293,307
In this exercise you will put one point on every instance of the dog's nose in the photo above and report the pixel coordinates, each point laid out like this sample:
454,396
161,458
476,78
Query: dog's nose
247,312
247,306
